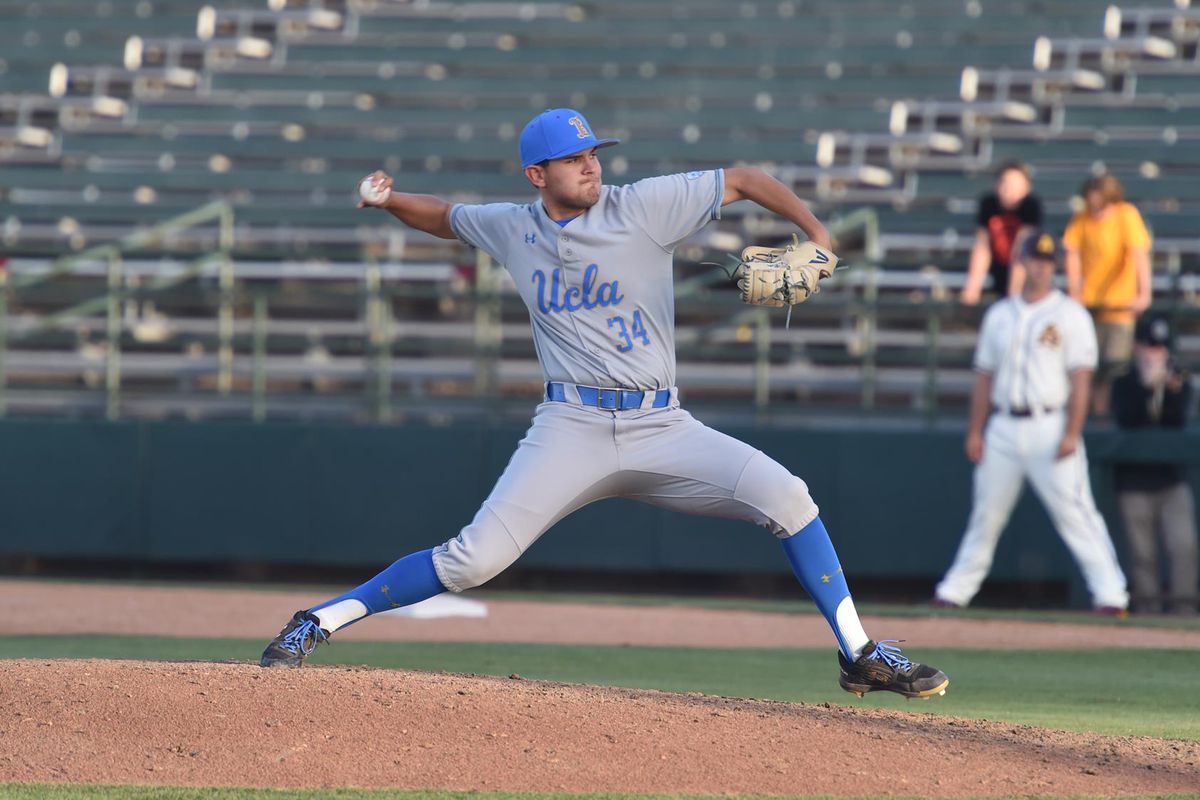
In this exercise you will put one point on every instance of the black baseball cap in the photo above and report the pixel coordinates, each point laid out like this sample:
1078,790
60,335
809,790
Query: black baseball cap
1154,331
1039,244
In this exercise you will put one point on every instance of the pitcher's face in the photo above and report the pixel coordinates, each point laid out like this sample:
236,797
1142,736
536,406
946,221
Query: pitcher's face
572,182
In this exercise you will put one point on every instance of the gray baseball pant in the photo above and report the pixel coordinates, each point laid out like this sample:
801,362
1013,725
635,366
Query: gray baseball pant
1170,513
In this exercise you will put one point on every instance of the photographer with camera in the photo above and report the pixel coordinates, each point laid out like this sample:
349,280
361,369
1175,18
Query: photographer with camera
1155,499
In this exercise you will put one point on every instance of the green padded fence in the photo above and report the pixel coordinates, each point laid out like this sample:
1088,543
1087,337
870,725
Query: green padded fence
895,502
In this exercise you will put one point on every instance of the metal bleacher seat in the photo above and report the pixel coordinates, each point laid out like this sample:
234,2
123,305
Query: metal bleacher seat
973,118
279,107
1180,24
932,150
23,143
119,82
1100,53
270,23
1030,85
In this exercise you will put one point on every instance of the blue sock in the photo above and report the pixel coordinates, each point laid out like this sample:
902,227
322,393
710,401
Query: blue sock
816,565
407,581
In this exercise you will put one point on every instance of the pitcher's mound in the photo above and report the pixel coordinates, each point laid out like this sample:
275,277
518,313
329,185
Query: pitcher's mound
199,724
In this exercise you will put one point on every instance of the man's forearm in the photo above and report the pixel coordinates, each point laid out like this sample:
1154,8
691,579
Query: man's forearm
1074,269
977,267
981,403
1077,402
764,190
423,212
1141,261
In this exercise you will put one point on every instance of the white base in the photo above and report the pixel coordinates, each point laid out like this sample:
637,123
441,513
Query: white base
448,604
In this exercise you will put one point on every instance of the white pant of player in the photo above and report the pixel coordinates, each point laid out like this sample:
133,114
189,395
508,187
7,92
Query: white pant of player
1016,449
574,455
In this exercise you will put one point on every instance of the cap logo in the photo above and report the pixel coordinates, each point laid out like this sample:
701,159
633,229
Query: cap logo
1045,244
558,133
582,131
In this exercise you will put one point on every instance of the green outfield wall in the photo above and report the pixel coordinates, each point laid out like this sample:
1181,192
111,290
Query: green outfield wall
895,502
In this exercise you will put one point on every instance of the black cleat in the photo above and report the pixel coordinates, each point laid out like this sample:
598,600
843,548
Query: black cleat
883,668
295,642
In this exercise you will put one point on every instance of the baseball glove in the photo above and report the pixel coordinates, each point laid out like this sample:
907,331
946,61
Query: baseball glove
769,276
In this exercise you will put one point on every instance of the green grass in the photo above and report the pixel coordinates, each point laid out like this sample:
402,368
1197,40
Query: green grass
54,792
803,606
791,605
788,605
1124,691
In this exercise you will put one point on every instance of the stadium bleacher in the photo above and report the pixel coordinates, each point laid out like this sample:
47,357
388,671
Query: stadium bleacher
116,116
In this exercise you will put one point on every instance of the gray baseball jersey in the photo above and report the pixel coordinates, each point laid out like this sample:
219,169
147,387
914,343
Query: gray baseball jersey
599,289
600,295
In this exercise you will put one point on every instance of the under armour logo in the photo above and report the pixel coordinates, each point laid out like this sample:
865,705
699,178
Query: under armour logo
530,238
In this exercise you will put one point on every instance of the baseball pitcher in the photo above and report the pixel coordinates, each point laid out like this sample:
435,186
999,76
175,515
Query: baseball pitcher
593,265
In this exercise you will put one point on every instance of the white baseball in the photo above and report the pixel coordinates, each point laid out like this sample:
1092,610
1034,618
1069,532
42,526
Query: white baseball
372,194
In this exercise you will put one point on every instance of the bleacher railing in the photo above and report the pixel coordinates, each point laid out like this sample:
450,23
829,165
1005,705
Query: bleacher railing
119,290
893,341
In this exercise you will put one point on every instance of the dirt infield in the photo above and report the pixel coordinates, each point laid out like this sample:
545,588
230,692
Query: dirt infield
208,724
232,724
46,607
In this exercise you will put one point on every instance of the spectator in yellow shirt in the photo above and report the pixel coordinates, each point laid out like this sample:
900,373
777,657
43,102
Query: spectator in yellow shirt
1108,271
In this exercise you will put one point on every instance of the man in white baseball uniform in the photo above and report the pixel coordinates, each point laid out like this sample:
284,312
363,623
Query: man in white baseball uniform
593,265
1034,363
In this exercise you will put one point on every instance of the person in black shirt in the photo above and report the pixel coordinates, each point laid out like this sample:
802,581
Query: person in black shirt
1005,216
1156,498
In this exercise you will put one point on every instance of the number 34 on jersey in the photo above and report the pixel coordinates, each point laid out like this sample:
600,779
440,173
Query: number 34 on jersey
627,334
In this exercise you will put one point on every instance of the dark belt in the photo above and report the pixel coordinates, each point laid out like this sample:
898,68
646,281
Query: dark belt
608,399
1025,412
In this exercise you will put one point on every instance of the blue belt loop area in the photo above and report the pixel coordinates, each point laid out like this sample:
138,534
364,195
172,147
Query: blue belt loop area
608,399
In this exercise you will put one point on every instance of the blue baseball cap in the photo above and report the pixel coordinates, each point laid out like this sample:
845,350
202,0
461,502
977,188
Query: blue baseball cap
557,133
1039,244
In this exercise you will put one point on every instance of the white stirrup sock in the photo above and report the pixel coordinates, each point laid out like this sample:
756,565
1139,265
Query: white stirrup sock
340,614
851,627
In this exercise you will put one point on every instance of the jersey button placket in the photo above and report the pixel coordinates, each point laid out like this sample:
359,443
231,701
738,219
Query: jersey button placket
1016,389
566,256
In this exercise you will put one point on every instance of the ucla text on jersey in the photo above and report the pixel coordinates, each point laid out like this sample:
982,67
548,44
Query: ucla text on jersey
599,287
576,297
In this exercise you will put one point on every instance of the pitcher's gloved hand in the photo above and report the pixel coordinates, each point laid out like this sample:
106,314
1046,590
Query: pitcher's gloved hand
784,276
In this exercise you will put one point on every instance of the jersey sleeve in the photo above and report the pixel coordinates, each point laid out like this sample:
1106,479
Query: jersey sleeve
672,207
987,348
1135,229
488,227
1073,236
1080,350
